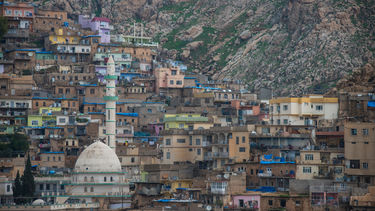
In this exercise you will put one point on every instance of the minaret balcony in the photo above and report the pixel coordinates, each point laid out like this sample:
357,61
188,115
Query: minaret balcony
110,77
110,98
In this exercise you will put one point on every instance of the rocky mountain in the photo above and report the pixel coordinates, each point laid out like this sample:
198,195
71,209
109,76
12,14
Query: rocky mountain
290,46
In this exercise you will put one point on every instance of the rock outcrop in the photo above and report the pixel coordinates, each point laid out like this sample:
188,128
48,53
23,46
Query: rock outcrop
291,46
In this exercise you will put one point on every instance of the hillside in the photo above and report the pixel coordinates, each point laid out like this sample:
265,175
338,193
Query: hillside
291,46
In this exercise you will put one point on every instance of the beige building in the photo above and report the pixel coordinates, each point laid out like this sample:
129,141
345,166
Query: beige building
320,164
307,110
182,146
360,151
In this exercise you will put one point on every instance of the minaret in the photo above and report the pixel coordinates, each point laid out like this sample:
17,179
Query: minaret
110,106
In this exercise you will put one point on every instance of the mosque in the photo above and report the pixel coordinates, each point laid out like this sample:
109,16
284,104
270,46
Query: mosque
97,175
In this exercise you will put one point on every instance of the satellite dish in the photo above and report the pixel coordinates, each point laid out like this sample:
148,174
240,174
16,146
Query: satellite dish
30,54
208,207
136,171
226,176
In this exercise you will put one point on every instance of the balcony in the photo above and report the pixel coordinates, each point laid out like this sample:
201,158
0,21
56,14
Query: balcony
265,174
186,119
17,33
43,146
37,136
220,154
220,142
207,156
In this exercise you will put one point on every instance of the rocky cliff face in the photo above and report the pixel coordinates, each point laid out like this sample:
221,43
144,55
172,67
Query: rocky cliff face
291,46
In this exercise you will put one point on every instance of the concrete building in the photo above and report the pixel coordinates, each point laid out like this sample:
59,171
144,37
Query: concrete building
168,78
307,110
360,152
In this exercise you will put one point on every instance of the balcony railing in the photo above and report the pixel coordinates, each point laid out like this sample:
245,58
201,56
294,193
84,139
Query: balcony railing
220,154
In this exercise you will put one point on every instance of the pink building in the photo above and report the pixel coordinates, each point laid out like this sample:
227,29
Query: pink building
246,201
168,78
97,24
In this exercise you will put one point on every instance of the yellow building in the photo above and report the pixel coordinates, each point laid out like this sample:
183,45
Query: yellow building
39,121
63,38
48,110
181,183
186,121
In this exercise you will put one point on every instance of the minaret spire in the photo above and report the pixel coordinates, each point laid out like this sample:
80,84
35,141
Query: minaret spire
110,98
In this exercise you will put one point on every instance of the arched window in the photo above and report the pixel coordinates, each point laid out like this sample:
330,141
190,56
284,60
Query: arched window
92,179
85,179
111,179
92,189
105,179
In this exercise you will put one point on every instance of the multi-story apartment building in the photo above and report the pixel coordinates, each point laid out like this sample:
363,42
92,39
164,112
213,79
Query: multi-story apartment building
321,164
186,121
360,152
183,146
168,78
307,110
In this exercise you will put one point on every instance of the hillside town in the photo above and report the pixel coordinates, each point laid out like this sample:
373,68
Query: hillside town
103,122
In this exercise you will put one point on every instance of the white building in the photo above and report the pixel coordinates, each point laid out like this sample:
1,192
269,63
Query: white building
307,110
97,175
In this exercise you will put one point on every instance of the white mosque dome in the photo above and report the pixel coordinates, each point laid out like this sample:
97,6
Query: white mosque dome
98,157
39,202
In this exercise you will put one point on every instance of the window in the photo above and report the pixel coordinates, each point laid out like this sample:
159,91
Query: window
132,160
366,142
62,120
306,170
105,179
237,140
278,121
199,152
242,149
111,179
365,132
354,164
85,190
47,186
353,142
241,203
285,121
354,132
85,179
285,107
34,122
92,91
298,203
319,107
309,157
283,203
167,141
61,91
198,141
92,179
168,155
171,82
179,82
270,202
41,187
174,72
365,165
149,110
181,141
190,149
181,125
92,189
243,139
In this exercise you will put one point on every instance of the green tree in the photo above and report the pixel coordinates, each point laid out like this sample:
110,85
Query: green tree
3,26
17,189
28,184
